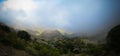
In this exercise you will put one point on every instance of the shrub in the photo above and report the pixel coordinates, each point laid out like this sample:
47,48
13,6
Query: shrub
24,35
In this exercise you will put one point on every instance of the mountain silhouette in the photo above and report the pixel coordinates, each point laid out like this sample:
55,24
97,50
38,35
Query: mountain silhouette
51,35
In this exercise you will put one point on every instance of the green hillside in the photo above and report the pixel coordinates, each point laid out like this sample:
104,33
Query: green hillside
19,43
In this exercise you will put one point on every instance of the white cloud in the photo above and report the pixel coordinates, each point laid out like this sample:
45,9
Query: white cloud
61,18
26,5
20,11
74,15
40,13
30,12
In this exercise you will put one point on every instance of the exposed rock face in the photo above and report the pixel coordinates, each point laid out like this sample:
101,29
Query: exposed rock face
113,39
51,35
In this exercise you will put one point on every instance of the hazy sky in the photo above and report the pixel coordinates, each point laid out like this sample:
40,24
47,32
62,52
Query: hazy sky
78,16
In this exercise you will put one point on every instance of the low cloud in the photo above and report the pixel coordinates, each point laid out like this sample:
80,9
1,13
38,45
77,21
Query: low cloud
74,15
35,13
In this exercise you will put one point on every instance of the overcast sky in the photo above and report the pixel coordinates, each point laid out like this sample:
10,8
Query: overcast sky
88,17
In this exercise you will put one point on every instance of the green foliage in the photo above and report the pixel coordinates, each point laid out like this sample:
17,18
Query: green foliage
34,48
79,46
41,49
20,44
8,39
46,50
73,45
84,54
67,46
32,51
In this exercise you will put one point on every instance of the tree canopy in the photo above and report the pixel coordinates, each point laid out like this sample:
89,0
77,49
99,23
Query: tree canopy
24,35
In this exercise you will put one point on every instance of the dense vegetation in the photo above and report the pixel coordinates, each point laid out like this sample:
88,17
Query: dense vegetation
80,46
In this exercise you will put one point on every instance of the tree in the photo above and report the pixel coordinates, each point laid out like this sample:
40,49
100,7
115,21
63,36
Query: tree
24,35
